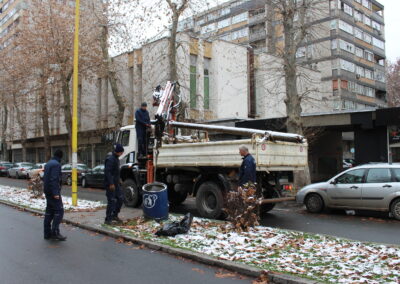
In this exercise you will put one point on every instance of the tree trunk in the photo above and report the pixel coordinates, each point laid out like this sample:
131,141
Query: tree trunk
293,100
112,78
173,73
3,132
67,106
22,124
45,118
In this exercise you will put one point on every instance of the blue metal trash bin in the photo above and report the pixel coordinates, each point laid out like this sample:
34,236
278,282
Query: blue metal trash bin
155,201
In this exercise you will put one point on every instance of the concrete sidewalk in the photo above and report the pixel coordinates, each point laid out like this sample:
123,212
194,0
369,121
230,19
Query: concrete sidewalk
93,221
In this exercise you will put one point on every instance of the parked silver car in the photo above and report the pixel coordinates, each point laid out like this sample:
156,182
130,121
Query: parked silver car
368,187
19,170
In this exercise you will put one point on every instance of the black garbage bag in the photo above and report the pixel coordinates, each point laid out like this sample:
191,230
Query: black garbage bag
175,228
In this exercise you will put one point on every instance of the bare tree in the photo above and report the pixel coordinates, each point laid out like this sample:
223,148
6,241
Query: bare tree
393,83
296,18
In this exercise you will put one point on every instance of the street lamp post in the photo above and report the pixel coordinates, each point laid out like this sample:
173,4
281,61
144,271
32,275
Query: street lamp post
75,110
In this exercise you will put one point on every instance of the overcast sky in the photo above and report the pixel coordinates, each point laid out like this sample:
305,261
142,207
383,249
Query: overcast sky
392,28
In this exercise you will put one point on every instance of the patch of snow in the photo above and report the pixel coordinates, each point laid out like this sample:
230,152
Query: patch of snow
23,197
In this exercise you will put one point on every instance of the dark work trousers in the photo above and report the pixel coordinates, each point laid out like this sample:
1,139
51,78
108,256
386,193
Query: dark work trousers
142,142
115,200
53,215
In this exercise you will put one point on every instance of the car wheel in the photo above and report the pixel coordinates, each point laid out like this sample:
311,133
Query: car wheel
132,197
209,200
314,203
8,175
395,209
69,180
16,175
84,183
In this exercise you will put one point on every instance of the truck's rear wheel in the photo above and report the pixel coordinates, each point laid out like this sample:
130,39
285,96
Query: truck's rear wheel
132,197
209,200
265,208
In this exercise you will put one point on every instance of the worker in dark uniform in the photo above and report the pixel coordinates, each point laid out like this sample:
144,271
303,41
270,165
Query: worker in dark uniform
142,123
247,171
52,190
114,193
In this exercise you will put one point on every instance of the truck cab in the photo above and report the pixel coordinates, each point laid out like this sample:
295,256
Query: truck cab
127,138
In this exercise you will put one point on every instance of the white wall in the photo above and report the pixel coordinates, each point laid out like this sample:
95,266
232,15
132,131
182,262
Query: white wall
228,80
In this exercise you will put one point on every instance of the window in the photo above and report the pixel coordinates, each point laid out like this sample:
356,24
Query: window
123,139
376,26
354,176
347,46
358,33
333,25
335,85
240,33
368,55
367,20
366,4
239,18
358,16
347,9
359,52
206,89
378,43
193,85
208,28
367,38
346,27
360,71
225,11
379,176
333,44
380,76
396,173
346,65
369,74
369,92
224,23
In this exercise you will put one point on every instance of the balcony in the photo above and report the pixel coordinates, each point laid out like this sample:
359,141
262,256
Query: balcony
380,86
376,17
253,20
379,51
257,36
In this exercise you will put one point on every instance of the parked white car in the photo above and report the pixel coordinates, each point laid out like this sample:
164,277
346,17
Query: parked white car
37,169
368,187
19,170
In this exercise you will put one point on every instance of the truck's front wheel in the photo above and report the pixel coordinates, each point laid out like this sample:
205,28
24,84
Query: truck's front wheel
132,196
209,200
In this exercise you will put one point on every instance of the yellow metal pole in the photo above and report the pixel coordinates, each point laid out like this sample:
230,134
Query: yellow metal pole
75,110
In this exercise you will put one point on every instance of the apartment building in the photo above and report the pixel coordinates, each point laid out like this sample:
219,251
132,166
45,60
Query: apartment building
10,12
348,44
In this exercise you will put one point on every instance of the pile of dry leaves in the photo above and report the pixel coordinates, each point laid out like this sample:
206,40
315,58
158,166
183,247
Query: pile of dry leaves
242,207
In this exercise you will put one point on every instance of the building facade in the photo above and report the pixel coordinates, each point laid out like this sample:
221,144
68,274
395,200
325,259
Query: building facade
347,46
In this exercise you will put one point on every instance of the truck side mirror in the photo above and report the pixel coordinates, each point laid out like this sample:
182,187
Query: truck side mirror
334,181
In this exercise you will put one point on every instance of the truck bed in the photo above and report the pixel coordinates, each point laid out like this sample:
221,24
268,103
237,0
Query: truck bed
269,156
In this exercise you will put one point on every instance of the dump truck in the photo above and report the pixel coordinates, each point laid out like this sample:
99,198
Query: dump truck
194,165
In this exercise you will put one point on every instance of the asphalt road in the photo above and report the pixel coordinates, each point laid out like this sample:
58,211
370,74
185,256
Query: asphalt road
88,258
364,226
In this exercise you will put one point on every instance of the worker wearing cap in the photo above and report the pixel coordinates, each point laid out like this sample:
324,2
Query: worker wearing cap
142,118
114,194
247,171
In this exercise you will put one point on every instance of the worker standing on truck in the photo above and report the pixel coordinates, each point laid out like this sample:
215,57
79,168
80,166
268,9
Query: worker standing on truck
142,123
114,193
247,171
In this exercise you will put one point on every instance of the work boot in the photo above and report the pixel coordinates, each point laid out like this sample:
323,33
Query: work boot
117,219
47,236
110,222
58,237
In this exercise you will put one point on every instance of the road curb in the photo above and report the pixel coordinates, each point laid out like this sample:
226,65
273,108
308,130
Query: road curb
244,269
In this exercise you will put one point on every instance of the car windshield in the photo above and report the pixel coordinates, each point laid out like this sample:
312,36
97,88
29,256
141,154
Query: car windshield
26,165
82,167
6,165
